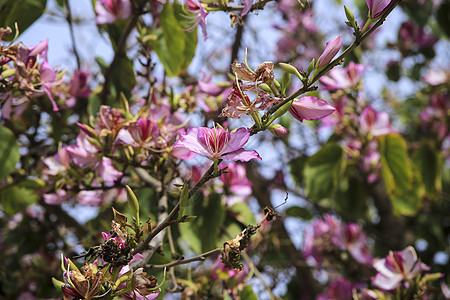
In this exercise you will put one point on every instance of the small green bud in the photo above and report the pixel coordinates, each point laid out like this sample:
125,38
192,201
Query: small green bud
265,87
291,70
133,202
281,111
278,130
311,66
350,16
277,85
431,277
8,73
285,82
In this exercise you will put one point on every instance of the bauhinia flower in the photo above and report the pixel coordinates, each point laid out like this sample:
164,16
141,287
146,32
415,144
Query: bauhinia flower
214,143
199,17
343,78
310,108
108,11
377,7
331,49
374,122
397,266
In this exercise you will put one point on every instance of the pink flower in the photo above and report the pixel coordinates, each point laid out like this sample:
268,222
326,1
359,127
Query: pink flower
48,78
435,77
343,78
142,133
108,11
78,85
247,6
215,143
374,122
397,266
85,154
341,289
199,17
331,49
310,108
236,179
355,242
377,7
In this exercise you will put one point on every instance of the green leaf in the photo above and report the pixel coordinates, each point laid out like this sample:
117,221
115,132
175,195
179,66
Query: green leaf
15,198
213,218
184,199
298,212
409,202
174,45
246,216
122,77
351,198
247,293
24,12
429,164
322,171
395,166
9,152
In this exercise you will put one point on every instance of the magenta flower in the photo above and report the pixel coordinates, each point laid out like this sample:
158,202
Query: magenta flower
108,11
397,266
48,79
236,179
247,6
374,122
355,242
214,143
199,17
142,133
78,85
377,7
310,108
331,49
85,154
343,78
341,289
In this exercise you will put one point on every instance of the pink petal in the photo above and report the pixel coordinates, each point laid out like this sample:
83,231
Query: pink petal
247,6
237,139
310,108
241,155
107,171
210,88
331,49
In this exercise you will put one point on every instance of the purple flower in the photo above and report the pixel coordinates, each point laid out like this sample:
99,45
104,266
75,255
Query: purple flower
374,122
108,11
236,179
355,242
310,108
341,289
142,133
247,6
78,86
199,17
343,78
397,266
377,7
48,78
215,143
331,49
85,154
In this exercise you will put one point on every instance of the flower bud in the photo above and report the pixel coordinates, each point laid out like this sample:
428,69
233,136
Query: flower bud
331,49
278,130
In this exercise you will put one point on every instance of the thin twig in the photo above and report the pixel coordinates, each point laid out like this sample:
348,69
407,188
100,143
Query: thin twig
209,174
258,274
181,261
72,34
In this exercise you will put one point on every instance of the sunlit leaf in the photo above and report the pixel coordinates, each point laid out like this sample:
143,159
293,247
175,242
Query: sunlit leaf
9,152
